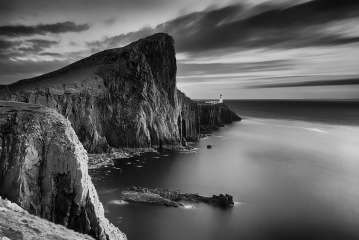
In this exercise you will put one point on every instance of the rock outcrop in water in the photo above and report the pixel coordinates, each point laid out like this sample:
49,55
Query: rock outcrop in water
43,168
124,97
157,196
18,224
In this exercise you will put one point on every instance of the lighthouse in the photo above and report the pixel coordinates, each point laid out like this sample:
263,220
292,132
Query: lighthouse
220,98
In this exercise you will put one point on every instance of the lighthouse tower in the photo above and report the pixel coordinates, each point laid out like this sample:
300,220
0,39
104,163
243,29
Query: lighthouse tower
220,98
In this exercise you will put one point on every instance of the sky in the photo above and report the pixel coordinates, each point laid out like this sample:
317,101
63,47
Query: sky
243,49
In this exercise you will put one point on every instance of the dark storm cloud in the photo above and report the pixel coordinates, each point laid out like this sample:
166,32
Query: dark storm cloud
5,44
92,10
42,29
76,5
351,81
278,27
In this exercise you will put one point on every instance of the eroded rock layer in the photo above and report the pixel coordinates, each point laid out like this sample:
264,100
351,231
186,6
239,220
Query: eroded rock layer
188,120
213,116
18,224
43,168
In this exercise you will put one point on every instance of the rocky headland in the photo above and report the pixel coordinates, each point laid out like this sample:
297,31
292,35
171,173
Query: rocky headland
110,102
123,97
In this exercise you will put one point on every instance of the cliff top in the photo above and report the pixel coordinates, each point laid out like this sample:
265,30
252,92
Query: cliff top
83,73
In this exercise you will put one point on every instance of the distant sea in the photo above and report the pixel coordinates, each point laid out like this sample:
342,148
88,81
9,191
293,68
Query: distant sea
292,167
342,112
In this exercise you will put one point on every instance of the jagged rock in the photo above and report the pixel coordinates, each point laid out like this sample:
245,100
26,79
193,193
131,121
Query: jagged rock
18,224
213,116
189,119
147,197
158,196
43,168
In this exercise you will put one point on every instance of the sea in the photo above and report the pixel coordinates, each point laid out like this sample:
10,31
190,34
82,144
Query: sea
292,167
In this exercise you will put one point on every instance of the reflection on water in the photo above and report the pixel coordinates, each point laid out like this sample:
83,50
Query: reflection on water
293,179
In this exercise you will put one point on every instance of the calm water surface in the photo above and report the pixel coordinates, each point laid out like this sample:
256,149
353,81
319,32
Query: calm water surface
293,180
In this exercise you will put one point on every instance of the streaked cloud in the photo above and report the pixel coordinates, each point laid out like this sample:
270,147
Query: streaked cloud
234,26
42,29
350,81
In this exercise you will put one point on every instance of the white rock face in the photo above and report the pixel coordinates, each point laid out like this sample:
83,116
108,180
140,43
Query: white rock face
16,223
43,168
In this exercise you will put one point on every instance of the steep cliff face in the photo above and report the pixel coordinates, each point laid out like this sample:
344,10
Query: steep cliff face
213,116
188,119
16,223
43,168
123,97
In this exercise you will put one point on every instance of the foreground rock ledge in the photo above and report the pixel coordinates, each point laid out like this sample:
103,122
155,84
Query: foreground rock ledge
43,168
16,223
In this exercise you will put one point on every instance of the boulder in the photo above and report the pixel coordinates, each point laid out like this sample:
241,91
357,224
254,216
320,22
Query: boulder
18,224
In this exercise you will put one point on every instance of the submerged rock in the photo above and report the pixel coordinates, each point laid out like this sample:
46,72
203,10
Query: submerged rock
43,168
147,197
16,223
157,196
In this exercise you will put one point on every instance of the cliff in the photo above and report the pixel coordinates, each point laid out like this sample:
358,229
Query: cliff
124,97
43,168
189,118
16,223
213,116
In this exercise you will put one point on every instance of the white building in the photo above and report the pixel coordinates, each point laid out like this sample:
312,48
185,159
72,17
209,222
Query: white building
220,98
